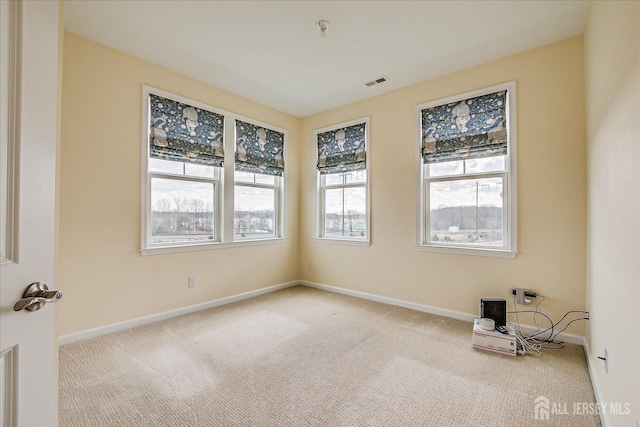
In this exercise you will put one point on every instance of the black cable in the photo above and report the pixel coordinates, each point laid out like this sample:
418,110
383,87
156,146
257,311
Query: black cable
517,319
550,342
551,336
572,311
538,305
522,335
531,311
561,331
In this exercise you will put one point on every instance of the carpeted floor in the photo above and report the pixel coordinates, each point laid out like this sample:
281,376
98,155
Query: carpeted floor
304,357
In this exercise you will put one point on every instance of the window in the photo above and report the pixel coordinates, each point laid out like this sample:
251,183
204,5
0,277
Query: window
185,156
183,204
467,201
259,165
190,201
343,185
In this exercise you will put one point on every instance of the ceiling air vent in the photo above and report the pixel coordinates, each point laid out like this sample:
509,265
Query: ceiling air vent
376,81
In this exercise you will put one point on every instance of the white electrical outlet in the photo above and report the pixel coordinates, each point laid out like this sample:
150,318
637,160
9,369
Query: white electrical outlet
521,296
192,281
310,265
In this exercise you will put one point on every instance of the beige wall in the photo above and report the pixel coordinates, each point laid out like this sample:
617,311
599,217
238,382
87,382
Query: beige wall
106,280
551,191
102,274
100,198
612,64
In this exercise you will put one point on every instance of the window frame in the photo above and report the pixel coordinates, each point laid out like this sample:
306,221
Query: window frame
278,186
223,180
509,177
321,187
276,206
215,181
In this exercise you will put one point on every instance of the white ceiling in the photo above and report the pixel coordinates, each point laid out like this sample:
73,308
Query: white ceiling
271,51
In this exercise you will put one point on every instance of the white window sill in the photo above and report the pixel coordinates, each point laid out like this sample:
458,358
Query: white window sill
496,253
208,246
333,240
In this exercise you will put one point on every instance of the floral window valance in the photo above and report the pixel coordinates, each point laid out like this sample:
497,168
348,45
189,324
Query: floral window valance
183,133
258,149
342,150
467,129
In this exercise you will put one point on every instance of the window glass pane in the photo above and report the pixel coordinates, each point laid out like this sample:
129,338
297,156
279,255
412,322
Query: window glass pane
468,212
257,178
265,179
460,167
166,166
202,171
181,168
334,179
355,176
254,212
446,168
485,164
243,176
345,212
181,211
345,177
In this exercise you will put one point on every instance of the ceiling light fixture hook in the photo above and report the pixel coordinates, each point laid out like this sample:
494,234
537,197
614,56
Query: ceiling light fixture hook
322,26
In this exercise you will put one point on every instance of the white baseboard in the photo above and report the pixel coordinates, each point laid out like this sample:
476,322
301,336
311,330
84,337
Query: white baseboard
128,324
595,383
467,317
392,301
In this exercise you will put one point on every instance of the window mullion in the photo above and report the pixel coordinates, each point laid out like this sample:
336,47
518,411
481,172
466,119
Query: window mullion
256,185
479,175
180,177
226,220
320,211
349,185
506,212
147,213
323,209
426,226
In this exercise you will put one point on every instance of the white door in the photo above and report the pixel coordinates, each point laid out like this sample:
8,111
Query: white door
28,370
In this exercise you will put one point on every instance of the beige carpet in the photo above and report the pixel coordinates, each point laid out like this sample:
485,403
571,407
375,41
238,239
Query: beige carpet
303,357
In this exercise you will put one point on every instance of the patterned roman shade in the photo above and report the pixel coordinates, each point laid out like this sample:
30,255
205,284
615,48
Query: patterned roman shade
258,149
183,133
342,150
467,129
